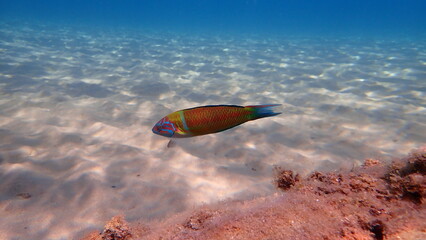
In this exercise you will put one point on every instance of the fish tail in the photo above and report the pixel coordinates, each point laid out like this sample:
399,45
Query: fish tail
261,111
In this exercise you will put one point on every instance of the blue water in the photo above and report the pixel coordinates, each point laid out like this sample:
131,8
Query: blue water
83,82
393,17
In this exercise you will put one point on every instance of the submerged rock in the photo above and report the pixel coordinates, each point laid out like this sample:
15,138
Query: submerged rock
373,201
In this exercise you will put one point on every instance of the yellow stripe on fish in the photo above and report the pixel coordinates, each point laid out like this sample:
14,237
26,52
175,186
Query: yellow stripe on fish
209,119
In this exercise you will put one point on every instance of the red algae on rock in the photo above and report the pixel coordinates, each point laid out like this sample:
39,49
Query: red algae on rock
409,181
285,179
373,201
116,228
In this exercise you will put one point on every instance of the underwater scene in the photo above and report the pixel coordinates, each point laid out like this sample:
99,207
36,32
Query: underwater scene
83,84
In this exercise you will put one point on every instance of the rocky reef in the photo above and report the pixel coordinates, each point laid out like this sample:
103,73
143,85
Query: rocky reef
374,201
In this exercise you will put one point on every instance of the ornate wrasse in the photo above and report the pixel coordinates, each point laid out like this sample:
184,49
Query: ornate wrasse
209,119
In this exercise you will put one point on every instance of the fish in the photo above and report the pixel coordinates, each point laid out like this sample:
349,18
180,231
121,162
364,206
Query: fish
210,119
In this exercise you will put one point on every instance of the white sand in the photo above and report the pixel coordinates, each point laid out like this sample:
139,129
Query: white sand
77,108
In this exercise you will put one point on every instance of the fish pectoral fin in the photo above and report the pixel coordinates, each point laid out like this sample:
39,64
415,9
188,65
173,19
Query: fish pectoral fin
181,133
171,143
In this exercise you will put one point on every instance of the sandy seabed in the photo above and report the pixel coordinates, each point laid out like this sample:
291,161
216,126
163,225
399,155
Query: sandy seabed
77,106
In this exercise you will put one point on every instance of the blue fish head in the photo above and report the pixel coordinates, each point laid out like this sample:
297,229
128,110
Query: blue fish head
164,128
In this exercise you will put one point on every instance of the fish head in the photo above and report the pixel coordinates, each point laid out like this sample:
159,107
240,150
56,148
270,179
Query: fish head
164,127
